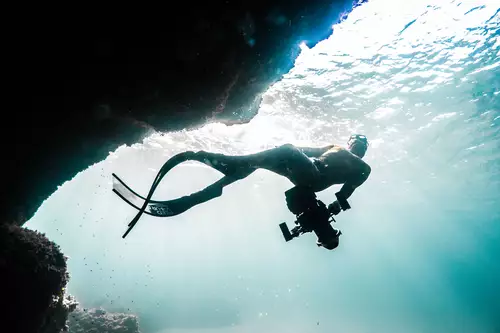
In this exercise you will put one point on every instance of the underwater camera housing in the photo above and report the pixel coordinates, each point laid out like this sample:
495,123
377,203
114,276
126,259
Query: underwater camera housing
312,214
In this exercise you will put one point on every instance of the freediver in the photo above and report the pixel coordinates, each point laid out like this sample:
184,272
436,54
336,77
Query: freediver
315,168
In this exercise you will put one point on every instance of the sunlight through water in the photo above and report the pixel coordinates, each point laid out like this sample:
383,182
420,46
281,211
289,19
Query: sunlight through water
419,250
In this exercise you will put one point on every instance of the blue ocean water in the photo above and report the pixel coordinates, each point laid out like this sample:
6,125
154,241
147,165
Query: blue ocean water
419,247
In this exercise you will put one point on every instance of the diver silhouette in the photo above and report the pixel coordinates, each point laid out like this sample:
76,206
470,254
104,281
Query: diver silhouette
315,168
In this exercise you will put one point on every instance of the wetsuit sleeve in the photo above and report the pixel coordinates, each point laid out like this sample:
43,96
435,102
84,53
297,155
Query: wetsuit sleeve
315,151
349,186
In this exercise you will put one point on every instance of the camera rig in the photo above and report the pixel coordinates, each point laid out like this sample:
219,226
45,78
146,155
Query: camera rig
311,214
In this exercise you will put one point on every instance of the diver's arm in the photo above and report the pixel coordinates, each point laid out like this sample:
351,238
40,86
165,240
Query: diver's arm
315,151
348,188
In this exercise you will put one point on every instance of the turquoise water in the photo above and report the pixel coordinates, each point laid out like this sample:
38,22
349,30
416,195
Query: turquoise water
419,250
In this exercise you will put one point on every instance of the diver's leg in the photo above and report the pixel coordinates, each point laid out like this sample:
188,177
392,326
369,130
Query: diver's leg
235,167
289,161
286,160
180,205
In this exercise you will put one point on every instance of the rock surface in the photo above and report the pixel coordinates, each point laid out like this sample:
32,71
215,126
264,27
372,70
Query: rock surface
83,320
56,320
86,79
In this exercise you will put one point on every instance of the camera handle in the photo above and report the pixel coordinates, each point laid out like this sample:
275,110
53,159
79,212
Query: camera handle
342,201
298,229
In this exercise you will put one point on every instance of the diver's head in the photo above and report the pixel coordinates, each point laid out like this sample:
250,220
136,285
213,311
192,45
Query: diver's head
358,144
331,242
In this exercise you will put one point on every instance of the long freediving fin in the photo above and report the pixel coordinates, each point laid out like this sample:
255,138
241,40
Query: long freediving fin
128,194
154,208
171,163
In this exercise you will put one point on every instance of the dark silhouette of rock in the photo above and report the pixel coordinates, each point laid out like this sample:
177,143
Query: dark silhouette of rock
84,79
33,275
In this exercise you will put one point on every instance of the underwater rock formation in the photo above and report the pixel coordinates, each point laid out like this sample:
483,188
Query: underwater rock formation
34,277
57,316
84,82
91,79
99,321
33,274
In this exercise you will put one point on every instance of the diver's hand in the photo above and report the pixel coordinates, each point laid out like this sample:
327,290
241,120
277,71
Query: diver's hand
334,208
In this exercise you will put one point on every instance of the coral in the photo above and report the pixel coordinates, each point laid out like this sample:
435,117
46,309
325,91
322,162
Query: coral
33,271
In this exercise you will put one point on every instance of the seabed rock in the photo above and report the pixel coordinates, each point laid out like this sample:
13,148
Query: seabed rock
33,298
33,274
83,320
